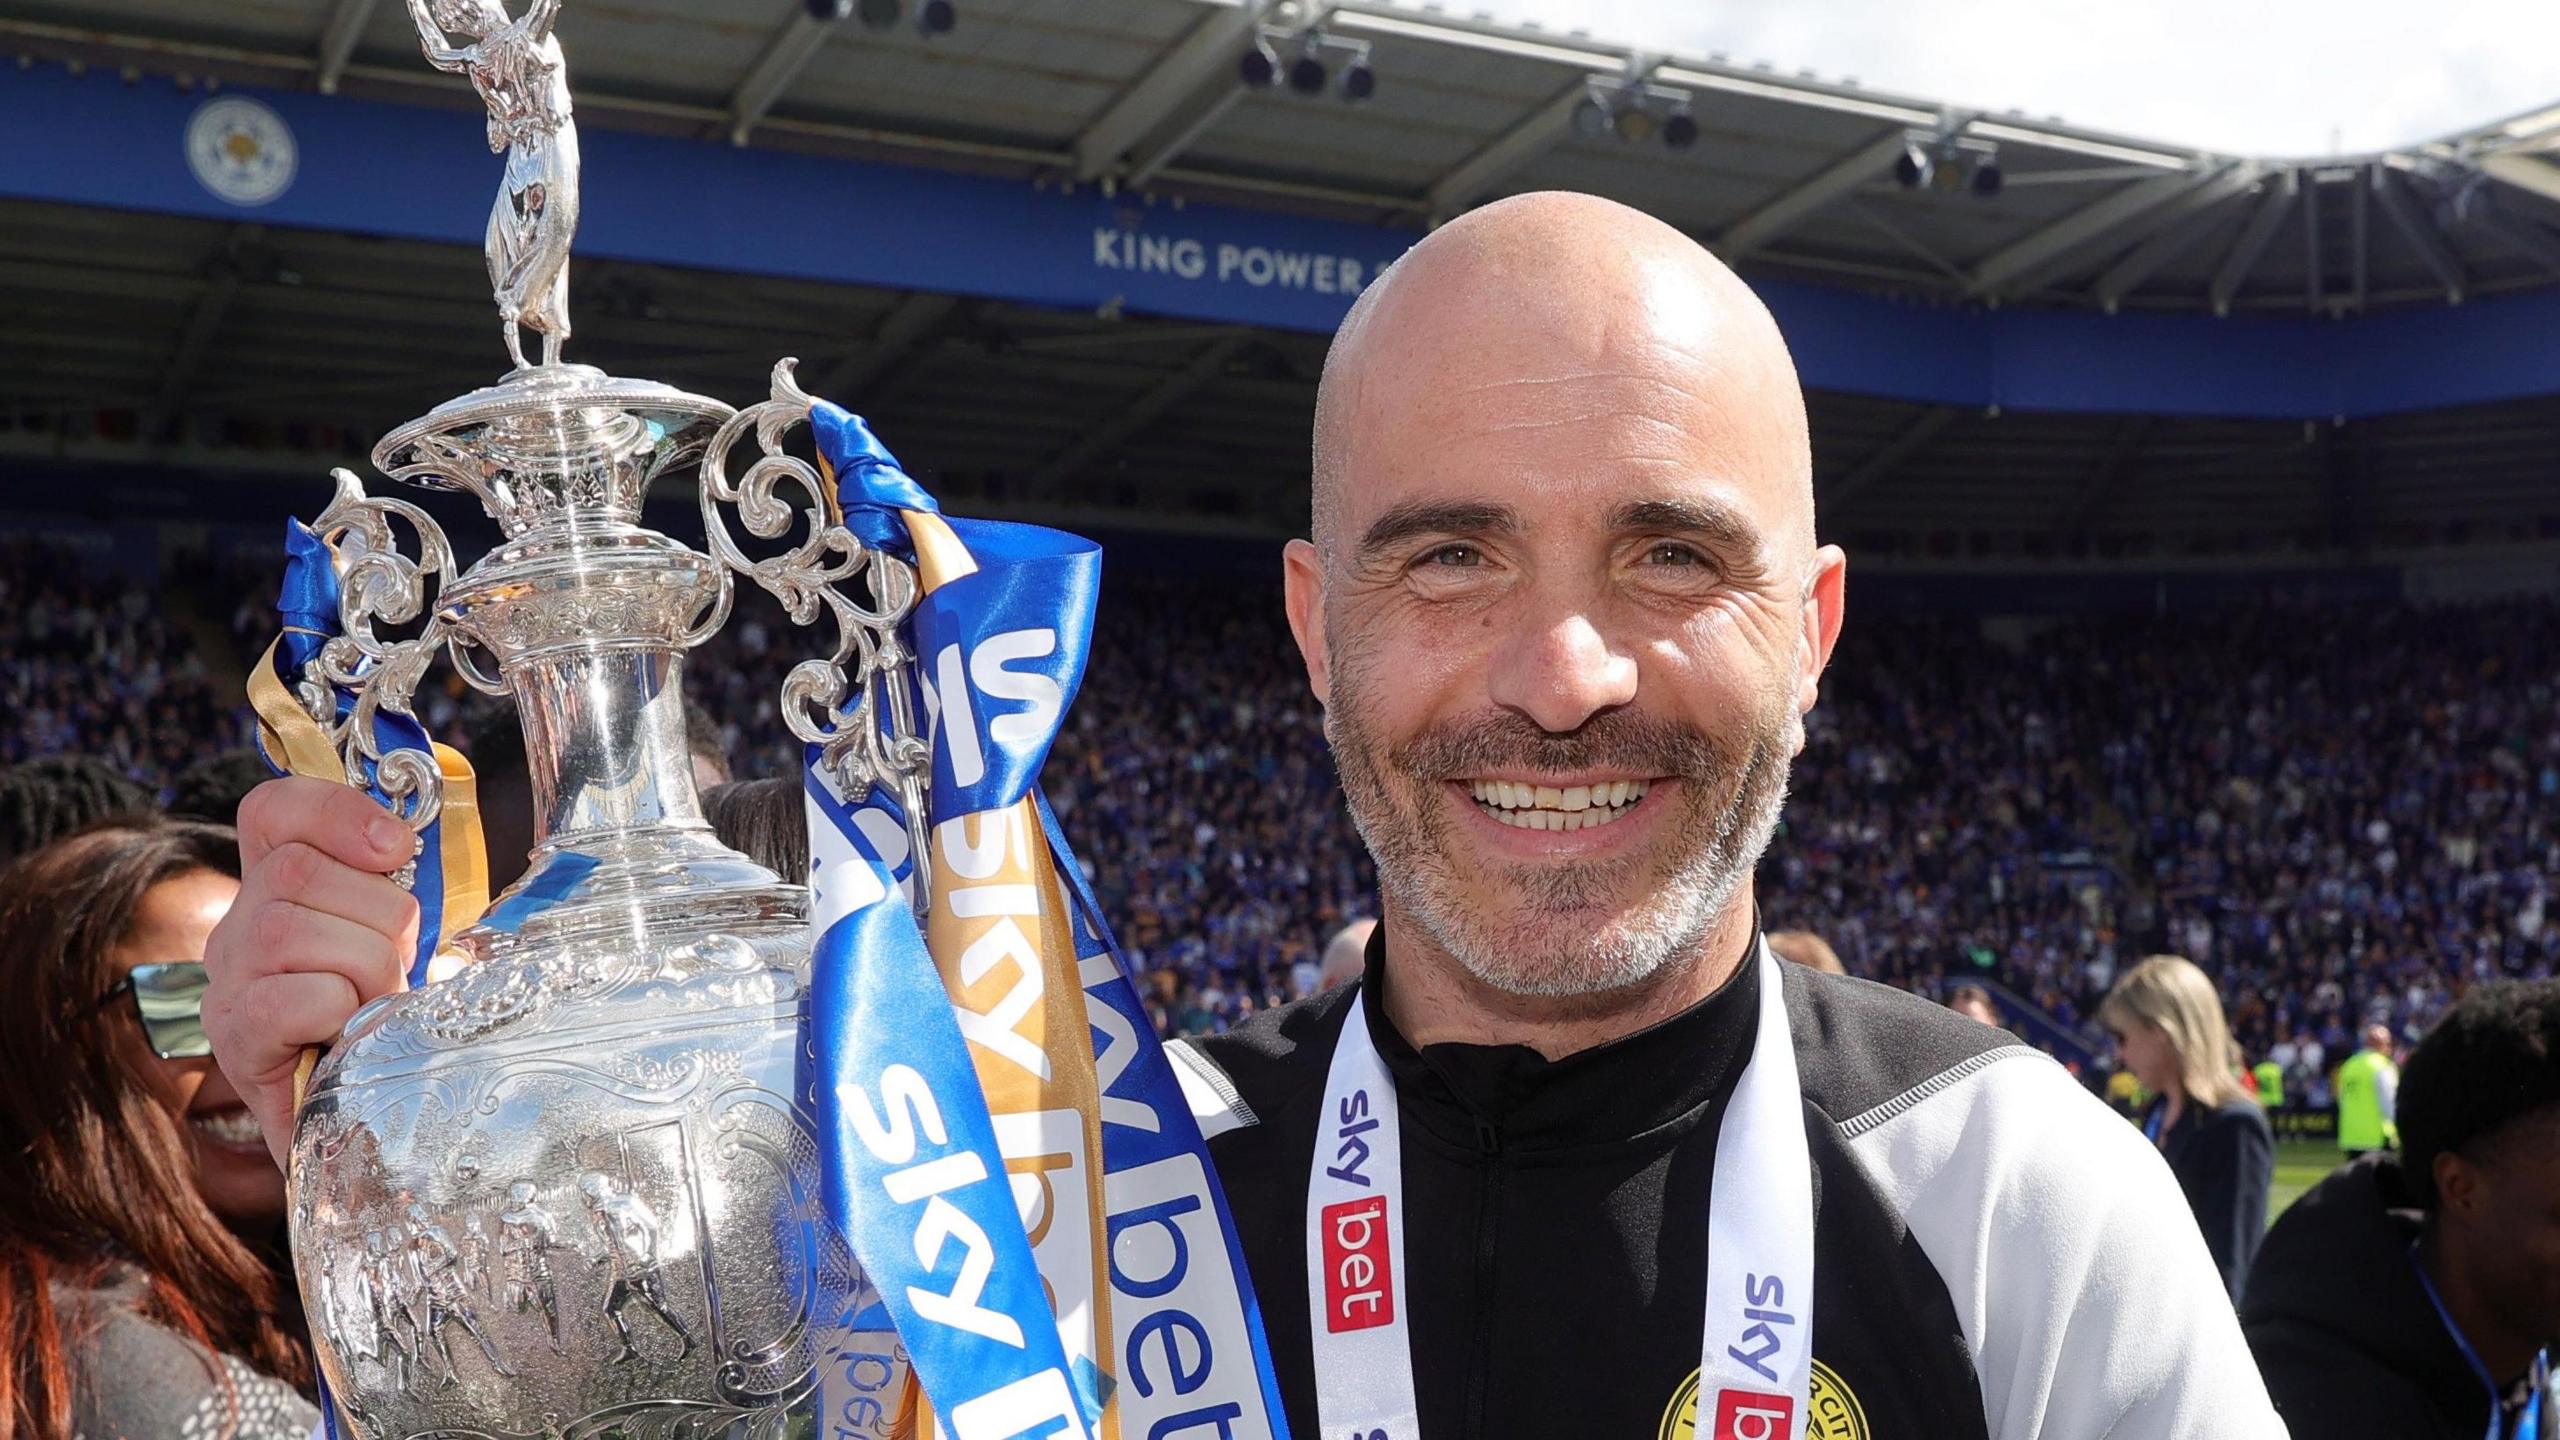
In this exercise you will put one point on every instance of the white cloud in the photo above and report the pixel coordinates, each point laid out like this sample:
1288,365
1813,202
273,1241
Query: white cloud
2273,78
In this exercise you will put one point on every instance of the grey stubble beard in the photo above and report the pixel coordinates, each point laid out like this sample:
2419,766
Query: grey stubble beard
1738,800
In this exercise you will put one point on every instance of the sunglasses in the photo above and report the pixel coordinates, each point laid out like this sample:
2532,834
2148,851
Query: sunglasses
168,998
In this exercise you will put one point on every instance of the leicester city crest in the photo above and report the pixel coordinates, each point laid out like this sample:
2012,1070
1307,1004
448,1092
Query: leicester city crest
240,150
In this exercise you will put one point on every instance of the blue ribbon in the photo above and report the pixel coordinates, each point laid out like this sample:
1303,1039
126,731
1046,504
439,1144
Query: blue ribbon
1157,1172
308,606
1001,653
910,1174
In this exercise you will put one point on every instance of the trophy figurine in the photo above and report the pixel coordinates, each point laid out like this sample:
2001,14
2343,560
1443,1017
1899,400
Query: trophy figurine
572,1191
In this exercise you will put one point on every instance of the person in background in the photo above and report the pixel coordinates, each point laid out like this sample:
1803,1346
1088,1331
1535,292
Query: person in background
212,788
709,745
1974,1003
1807,949
2368,1087
2168,1026
2270,1078
41,801
1344,954
765,820
142,1288
2417,1296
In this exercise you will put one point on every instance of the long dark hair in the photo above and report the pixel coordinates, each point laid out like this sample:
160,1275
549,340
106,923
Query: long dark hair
98,1171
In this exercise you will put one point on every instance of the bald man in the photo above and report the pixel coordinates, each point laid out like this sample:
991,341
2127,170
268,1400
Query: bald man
1574,1156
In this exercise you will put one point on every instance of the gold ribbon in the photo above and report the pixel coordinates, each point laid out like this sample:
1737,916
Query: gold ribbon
998,931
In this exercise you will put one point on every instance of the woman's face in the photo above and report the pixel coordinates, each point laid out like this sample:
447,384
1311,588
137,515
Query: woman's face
2148,1054
234,1172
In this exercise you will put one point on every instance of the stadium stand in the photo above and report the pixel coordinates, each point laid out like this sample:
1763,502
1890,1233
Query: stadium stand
2339,831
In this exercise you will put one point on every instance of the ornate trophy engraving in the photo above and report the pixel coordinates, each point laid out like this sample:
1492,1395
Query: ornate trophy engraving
571,1191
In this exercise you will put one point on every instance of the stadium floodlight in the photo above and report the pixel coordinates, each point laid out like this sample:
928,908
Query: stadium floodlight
1359,82
1986,176
1912,168
1591,118
878,14
1307,74
1260,67
1635,123
828,11
936,17
1679,129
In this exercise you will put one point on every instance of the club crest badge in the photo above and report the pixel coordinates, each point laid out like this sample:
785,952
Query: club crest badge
240,150
1832,1411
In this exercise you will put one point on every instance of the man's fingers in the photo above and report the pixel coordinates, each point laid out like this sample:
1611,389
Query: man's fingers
299,874
337,820
294,1013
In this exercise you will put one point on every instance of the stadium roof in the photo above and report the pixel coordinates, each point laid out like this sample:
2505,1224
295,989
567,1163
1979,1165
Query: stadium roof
237,346
1790,175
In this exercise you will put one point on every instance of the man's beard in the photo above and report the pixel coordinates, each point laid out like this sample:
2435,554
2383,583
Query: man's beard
1569,935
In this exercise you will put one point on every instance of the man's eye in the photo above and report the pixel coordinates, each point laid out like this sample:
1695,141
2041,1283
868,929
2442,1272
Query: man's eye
1665,552
1454,556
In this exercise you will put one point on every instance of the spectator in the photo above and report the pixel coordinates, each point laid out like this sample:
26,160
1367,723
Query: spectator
42,801
764,820
1974,1003
2368,1091
1812,951
212,788
1346,954
2417,1296
2168,1026
141,1216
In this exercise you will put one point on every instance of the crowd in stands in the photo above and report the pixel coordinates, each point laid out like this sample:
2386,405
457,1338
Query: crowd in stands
2342,815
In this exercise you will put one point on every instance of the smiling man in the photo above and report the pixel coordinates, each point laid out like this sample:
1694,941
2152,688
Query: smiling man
1575,1157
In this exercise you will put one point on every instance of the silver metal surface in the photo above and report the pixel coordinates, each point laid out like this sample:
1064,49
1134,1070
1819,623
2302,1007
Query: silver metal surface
572,1190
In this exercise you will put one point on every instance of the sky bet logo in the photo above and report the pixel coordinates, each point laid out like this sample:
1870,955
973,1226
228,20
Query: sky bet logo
1750,1415
1359,1279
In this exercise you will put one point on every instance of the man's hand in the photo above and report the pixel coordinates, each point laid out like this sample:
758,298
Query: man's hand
319,929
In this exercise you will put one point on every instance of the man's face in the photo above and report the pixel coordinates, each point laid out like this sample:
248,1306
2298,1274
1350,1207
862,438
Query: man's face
1566,636
2508,1196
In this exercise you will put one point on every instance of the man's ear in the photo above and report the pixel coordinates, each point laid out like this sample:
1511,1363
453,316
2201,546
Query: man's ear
1302,582
2457,1183
1822,615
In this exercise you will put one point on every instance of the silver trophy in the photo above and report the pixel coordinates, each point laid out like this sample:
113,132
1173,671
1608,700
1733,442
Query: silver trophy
571,1191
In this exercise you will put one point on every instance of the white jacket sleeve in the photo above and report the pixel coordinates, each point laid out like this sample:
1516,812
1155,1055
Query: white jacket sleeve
2078,1275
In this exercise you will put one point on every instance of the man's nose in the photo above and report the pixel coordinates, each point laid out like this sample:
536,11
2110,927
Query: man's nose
1560,670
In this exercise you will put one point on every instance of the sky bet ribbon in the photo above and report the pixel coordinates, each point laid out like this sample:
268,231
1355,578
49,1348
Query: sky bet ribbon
996,933
1112,1182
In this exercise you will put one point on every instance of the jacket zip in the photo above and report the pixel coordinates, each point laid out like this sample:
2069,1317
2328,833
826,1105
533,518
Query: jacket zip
1488,1206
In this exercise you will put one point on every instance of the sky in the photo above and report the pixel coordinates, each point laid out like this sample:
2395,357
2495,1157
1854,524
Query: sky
2288,79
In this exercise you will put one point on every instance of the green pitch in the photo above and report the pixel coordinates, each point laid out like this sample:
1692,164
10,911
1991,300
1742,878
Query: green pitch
2300,1164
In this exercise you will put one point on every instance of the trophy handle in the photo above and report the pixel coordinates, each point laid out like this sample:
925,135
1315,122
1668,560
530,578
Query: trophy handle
378,583
857,704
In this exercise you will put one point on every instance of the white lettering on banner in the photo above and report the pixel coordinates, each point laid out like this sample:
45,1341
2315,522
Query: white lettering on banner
892,1141
970,859
1044,1160
1186,1356
1026,687
948,690
1119,1047
1259,266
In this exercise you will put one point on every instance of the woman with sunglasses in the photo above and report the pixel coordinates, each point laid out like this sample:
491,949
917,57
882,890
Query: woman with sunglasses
2170,1032
142,1281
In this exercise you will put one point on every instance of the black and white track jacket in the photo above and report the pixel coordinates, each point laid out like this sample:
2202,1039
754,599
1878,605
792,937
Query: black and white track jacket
1997,1256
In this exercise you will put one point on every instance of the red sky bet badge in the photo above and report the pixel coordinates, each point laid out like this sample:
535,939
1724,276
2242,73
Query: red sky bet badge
1359,1283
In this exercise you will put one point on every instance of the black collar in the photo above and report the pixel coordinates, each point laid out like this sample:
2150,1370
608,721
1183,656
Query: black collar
1512,1100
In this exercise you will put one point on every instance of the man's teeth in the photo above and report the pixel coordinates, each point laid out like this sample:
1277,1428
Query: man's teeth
1548,807
232,1127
